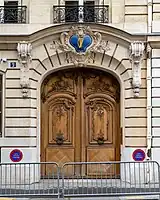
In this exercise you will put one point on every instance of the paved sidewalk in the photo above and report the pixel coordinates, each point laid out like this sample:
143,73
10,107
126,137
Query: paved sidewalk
155,197
117,198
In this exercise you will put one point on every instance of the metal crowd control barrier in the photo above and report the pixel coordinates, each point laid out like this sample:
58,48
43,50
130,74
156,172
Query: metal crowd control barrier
83,179
95,179
29,180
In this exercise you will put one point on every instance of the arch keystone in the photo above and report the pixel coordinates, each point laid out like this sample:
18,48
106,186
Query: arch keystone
80,43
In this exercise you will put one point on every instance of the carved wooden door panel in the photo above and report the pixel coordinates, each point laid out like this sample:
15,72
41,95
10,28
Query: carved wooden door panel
101,112
80,118
59,105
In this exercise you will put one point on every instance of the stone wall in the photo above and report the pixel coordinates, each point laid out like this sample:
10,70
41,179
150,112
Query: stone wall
128,15
156,15
156,103
136,16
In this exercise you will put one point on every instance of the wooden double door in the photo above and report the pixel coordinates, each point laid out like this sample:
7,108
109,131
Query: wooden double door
80,117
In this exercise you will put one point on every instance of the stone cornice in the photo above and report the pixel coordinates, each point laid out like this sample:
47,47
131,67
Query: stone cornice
154,41
107,31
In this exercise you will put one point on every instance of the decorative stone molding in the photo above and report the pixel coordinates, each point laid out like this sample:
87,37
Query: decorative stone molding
148,50
136,55
24,55
79,44
150,3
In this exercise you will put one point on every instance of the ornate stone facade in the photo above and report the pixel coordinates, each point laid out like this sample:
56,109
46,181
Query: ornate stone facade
116,48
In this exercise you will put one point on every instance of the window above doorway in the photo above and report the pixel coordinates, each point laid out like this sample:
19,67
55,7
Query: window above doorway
11,12
80,11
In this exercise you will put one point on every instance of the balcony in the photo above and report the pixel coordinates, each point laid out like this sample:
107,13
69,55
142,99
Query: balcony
96,14
13,14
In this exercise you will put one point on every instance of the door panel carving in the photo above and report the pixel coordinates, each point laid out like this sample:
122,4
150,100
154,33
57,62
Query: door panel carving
60,155
60,83
100,122
61,121
101,83
80,118
98,155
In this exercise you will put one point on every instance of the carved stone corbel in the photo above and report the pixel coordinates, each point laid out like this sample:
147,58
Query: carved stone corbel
136,55
24,55
148,50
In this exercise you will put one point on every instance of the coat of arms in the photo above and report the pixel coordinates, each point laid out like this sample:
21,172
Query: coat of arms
80,43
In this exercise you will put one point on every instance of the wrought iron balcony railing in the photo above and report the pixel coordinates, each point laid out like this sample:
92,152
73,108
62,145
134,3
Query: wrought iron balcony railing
13,14
97,14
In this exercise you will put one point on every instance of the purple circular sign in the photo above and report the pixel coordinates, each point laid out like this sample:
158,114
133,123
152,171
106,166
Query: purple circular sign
16,155
138,155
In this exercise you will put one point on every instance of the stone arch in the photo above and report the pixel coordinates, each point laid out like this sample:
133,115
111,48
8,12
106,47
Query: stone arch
121,70
116,61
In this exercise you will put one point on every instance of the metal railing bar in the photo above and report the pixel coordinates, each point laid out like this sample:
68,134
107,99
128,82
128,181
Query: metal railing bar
79,179
88,13
13,14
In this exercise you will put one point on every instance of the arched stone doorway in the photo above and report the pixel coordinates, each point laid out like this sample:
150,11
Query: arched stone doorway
80,117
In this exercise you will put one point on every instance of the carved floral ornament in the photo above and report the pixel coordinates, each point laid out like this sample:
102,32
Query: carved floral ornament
136,56
24,55
94,81
80,43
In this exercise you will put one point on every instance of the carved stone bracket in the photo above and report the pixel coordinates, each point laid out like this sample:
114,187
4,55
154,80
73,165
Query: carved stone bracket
79,44
136,56
24,55
148,50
